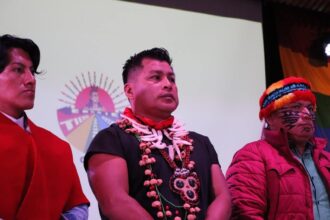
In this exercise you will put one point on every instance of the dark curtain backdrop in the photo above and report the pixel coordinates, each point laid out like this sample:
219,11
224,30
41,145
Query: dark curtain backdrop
294,41
243,9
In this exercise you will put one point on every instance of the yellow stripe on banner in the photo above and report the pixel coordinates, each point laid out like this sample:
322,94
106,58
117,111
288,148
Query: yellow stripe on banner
296,64
78,137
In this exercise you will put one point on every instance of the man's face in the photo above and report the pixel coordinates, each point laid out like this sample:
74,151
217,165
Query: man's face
297,119
17,84
152,90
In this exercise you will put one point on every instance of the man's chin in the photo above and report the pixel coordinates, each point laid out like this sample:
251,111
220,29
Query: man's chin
28,106
302,138
169,107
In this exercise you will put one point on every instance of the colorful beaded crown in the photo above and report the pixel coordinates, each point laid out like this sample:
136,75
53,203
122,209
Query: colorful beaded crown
284,92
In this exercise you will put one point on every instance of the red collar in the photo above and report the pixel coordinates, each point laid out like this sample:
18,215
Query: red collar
147,121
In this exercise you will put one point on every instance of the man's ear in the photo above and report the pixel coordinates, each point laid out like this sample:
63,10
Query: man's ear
128,91
269,120
272,121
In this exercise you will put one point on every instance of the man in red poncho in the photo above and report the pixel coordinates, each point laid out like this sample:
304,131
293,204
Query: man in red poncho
38,178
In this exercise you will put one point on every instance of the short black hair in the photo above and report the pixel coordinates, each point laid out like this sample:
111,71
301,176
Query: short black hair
8,42
135,61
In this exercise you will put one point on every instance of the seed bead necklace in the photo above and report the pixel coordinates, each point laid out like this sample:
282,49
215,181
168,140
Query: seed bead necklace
184,180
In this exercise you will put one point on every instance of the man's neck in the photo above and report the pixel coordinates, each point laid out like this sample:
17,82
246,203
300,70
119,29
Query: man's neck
21,121
14,115
300,147
158,123
155,118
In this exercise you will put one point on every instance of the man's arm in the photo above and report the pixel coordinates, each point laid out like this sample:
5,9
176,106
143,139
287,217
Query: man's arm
246,179
108,177
220,208
76,213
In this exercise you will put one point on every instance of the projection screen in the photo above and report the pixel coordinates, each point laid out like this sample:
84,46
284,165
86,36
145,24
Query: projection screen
218,62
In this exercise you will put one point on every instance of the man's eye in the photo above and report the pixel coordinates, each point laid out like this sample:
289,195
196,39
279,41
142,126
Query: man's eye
18,70
172,79
286,113
310,108
33,71
155,77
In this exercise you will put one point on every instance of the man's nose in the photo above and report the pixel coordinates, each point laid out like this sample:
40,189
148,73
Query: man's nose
167,82
29,77
307,113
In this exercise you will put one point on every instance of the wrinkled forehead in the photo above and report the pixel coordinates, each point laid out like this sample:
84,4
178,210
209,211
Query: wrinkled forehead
18,54
297,104
154,64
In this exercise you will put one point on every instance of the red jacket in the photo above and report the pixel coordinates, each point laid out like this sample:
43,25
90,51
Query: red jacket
266,181
38,178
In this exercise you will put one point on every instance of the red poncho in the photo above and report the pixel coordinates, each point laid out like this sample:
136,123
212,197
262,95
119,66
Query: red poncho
38,178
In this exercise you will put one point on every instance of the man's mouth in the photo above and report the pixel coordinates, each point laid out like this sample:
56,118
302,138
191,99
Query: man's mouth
29,92
170,96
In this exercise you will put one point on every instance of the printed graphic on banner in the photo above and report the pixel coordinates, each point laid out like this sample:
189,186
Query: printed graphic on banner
90,105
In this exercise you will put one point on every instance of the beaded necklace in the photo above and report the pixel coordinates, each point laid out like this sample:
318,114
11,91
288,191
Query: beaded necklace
184,180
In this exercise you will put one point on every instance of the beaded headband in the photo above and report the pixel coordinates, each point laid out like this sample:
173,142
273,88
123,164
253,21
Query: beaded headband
284,92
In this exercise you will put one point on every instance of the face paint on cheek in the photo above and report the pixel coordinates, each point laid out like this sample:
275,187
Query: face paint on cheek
289,119
310,115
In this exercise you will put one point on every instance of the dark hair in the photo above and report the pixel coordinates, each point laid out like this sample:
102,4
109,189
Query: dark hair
135,61
8,42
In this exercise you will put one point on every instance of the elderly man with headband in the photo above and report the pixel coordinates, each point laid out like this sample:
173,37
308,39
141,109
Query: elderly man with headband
285,174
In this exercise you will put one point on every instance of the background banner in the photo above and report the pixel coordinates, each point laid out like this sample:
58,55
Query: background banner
218,62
